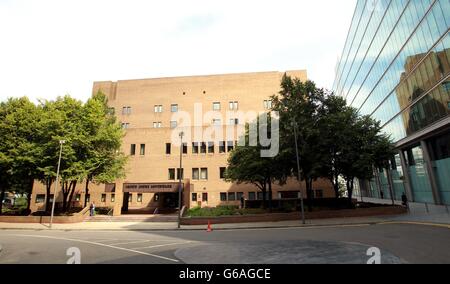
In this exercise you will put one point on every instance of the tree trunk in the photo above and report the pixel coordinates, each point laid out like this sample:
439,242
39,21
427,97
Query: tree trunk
30,193
335,182
48,187
350,184
2,196
309,196
264,191
72,191
86,192
270,196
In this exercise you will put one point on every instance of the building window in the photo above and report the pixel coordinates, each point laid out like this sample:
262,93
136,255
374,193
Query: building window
203,148
194,197
158,108
168,148
174,108
268,104
204,174
112,111
133,150
230,146
185,148
173,124
126,110
113,198
88,198
222,148
205,197
195,174
139,198
216,106
211,147
78,197
178,174
125,125
234,105
222,173
234,121
217,122
157,124
40,198
231,196
251,196
130,198
195,148
103,200
319,193
239,196
142,152
171,174
223,196
261,196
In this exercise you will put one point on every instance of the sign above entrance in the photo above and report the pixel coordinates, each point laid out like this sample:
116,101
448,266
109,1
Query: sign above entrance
150,187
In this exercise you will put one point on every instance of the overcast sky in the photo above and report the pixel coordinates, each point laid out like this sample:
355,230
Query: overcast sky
56,47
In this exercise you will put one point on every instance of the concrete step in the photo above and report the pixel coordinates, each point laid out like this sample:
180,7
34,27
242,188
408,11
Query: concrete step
134,218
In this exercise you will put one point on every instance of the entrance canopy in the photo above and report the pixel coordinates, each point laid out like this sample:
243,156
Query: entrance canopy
150,187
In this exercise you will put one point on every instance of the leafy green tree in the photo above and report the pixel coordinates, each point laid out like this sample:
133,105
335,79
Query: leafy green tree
105,162
367,147
246,164
297,105
336,121
19,145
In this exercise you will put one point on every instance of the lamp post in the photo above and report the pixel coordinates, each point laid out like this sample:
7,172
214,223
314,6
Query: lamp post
180,185
61,143
294,125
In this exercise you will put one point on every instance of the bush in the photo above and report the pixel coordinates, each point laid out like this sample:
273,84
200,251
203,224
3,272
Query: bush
223,211
102,210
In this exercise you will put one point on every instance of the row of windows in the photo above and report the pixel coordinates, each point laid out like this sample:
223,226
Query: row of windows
197,148
216,106
40,198
174,124
197,173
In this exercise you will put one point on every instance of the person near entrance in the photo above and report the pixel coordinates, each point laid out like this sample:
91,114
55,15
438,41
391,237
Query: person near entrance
405,200
92,209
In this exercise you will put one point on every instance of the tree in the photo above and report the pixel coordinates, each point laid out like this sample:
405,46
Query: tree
336,121
247,165
105,162
367,146
297,105
19,145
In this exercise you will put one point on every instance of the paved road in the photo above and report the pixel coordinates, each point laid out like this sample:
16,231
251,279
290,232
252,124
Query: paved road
399,243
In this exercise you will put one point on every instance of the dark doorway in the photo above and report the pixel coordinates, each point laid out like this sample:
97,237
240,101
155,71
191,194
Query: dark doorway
169,200
126,197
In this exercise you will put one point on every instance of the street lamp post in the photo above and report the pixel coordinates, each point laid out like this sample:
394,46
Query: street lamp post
294,125
180,185
61,143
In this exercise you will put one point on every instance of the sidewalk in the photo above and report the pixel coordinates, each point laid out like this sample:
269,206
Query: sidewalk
154,226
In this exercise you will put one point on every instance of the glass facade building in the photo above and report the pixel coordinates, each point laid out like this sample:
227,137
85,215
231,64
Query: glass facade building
395,66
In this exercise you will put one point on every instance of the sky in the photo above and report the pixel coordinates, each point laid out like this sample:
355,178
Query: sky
50,48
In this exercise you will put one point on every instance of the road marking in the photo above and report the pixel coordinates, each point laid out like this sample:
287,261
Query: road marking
166,245
100,244
129,243
294,228
415,223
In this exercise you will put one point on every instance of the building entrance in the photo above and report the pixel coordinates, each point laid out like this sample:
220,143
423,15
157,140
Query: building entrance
150,198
